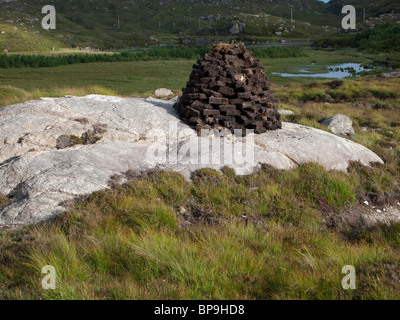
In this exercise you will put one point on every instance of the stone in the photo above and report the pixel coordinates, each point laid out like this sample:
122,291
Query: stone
237,27
286,112
38,177
175,99
390,75
163,93
340,125
303,144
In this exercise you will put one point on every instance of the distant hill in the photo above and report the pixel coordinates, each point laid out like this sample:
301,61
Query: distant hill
373,8
108,24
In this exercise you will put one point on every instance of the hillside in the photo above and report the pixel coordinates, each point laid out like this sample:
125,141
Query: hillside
19,38
373,8
107,24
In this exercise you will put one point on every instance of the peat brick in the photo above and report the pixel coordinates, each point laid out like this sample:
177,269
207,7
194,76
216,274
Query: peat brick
211,112
227,107
244,95
226,91
217,100
212,93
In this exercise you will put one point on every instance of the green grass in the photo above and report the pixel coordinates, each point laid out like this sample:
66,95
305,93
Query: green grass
369,88
143,77
22,39
162,237
125,78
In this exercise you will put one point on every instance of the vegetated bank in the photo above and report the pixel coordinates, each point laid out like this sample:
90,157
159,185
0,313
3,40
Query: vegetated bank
383,38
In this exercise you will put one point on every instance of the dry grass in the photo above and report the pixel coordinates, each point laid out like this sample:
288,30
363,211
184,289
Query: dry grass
222,47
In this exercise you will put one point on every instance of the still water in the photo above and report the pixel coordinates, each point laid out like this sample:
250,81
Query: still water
340,71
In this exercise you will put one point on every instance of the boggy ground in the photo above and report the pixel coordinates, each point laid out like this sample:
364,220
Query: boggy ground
270,235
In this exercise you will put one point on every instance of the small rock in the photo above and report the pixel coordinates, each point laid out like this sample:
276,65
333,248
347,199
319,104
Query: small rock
163,93
174,99
390,75
340,125
379,211
237,27
182,210
285,112
327,99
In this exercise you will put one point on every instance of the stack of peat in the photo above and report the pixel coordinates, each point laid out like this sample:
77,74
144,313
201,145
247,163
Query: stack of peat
229,90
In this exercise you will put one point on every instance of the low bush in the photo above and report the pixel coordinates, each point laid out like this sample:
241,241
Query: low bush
168,53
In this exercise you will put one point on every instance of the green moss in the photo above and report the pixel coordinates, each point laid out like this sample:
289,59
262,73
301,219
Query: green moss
4,201
76,140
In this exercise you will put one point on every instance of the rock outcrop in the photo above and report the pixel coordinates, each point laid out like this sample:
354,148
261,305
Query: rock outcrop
37,175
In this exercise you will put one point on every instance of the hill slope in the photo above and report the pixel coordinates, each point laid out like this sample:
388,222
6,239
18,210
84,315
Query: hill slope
109,24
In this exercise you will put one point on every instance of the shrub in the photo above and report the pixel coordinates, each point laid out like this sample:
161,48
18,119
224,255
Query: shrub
168,53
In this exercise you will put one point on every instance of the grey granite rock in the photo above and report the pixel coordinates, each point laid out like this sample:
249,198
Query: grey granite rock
390,75
286,112
163,93
38,176
340,125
